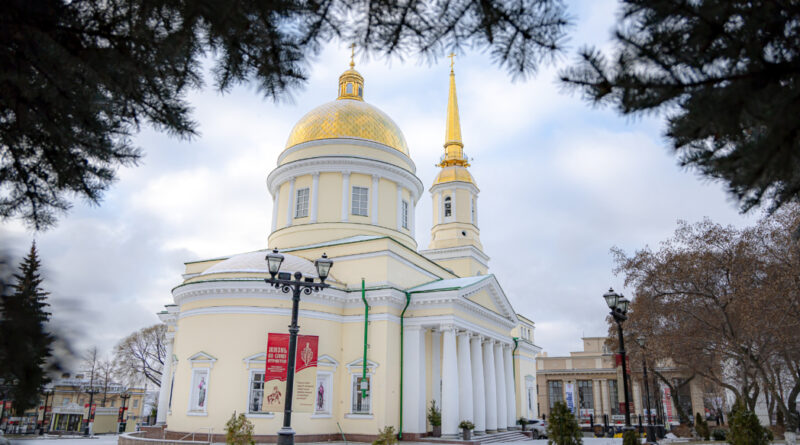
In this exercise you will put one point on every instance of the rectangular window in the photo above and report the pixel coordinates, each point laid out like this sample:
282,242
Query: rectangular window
472,209
404,214
255,398
555,391
613,397
301,204
136,403
199,393
585,397
360,200
65,401
361,405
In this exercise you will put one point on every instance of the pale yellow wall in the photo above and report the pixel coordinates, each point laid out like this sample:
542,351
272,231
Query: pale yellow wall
330,197
283,202
463,267
387,203
484,299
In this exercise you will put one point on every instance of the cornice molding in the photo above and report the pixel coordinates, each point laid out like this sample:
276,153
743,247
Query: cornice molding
457,185
348,141
449,253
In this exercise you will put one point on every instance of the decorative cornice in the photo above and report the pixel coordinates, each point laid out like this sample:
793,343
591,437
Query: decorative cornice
455,186
448,253
348,141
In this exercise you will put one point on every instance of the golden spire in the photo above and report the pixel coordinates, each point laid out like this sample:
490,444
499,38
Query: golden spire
351,84
453,147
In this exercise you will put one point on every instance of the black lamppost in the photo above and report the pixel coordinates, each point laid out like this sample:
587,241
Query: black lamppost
91,390
297,285
47,393
122,424
651,431
619,310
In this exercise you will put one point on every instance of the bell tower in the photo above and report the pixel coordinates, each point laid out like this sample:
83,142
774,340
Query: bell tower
455,237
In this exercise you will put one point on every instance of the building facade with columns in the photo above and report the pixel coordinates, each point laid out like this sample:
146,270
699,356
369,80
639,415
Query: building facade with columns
440,328
592,379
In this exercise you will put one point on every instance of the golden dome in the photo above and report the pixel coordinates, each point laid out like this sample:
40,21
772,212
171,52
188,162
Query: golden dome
455,173
348,118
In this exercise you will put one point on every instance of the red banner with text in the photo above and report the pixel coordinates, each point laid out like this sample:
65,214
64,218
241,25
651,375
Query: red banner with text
277,364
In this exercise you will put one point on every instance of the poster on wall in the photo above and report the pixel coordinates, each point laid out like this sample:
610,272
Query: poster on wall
277,364
569,390
666,401
305,375
275,372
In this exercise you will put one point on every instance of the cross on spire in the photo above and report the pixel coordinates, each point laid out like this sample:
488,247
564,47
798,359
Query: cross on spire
452,61
352,55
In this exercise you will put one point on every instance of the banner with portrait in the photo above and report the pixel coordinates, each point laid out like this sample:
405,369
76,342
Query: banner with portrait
305,376
275,372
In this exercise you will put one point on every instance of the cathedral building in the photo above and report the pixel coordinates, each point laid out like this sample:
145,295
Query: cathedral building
399,328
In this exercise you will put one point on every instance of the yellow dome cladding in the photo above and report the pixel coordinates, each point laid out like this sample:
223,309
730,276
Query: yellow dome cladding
454,174
348,118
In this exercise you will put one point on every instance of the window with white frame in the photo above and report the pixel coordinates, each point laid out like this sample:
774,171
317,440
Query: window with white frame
361,394
255,396
360,201
404,214
199,391
324,393
301,206
448,207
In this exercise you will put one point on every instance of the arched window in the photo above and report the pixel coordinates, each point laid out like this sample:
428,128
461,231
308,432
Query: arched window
448,207
349,88
473,210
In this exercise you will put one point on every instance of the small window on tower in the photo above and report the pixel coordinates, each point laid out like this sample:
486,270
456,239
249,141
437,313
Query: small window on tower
360,91
349,88
448,209
404,214
301,206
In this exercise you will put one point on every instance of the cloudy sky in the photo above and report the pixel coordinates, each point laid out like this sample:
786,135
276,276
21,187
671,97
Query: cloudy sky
561,183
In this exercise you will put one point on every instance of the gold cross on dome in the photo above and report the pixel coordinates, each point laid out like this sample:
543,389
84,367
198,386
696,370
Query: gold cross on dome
452,60
352,55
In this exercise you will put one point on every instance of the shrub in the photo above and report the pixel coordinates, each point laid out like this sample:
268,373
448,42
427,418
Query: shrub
630,437
701,426
466,425
563,429
386,436
434,414
719,434
745,427
239,430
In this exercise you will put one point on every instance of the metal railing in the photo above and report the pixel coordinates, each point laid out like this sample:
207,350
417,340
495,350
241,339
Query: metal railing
210,433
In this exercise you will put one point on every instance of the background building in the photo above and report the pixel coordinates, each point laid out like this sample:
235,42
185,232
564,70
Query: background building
592,378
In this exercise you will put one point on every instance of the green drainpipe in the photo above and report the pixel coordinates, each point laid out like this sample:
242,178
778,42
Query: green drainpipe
366,330
402,315
514,368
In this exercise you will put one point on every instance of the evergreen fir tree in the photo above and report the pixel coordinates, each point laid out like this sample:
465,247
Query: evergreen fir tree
745,429
563,428
24,341
725,73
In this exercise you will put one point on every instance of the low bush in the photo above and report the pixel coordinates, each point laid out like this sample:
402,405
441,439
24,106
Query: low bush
701,426
719,434
386,436
562,427
745,427
631,437
239,430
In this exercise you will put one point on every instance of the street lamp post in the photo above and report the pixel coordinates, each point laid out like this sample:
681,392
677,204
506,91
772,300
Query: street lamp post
92,391
651,431
297,285
619,310
47,393
122,424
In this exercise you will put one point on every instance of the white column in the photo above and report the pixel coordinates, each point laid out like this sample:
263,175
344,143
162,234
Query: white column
290,204
465,407
412,214
436,367
275,200
400,207
490,386
478,385
422,414
606,397
375,183
500,372
345,194
453,204
166,382
511,398
411,379
449,383
440,203
314,196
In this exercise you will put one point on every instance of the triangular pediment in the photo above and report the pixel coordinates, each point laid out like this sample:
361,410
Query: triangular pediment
489,295
483,298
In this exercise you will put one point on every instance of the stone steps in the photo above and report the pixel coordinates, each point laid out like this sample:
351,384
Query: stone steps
508,436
